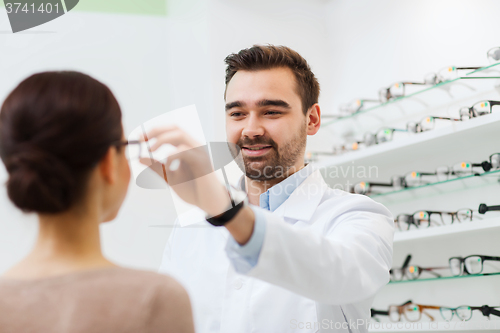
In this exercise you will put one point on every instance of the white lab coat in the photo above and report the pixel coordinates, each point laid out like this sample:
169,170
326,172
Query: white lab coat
325,255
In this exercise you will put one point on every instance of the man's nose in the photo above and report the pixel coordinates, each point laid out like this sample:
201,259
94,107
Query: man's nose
253,127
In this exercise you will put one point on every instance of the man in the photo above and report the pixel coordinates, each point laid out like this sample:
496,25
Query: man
301,257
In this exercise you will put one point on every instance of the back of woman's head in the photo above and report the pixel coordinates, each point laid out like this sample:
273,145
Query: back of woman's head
54,129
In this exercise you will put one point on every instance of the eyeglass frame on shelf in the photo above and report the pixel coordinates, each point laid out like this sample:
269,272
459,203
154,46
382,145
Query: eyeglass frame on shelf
463,267
472,113
430,213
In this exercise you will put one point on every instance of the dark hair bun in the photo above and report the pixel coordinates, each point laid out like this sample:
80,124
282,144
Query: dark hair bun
39,182
55,128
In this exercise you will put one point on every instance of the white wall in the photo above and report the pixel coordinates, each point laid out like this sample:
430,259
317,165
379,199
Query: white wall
377,43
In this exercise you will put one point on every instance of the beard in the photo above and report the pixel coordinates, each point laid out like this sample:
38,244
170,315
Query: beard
276,163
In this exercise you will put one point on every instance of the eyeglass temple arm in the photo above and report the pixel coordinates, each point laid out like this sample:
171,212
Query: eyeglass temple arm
428,315
430,270
380,184
418,83
494,103
432,307
483,208
427,173
378,312
447,118
491,258
405,264
465,68
440,267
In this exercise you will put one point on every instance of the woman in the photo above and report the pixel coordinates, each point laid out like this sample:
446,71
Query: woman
62,143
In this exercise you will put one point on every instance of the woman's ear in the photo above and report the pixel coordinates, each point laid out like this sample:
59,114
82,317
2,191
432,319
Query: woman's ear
313,119
107,166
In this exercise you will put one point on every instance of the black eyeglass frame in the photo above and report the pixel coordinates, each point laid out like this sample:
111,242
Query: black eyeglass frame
463,267
485,309
125,143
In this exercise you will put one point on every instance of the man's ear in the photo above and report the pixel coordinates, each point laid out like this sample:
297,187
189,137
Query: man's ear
313,119
107,166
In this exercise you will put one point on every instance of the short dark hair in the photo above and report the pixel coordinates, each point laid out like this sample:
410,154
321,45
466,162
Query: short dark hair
54,129
260,57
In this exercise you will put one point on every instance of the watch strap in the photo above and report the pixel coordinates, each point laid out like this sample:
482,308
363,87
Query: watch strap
225,217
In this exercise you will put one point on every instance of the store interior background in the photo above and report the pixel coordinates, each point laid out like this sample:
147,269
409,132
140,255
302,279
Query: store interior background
157,63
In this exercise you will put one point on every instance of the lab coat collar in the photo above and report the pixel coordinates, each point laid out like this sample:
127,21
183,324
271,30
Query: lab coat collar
303,202
277,194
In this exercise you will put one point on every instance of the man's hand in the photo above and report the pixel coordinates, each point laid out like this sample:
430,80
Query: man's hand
193,180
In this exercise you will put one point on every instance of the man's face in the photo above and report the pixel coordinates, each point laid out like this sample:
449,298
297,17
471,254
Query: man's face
264,118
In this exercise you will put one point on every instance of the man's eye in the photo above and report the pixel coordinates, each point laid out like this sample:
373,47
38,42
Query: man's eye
235,114
273,112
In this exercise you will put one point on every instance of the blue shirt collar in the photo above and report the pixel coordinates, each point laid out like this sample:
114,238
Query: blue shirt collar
277,194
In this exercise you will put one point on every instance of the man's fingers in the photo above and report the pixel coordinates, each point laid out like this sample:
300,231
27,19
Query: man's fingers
147,161
175,158
170,135
174,138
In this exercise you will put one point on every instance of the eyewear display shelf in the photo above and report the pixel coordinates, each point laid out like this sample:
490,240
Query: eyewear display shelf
471,140
450,95
449,143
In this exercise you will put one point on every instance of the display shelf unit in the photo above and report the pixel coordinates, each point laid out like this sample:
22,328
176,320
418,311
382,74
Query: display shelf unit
444,99
484,73
438,326
473,140
449,143
442,187
434,233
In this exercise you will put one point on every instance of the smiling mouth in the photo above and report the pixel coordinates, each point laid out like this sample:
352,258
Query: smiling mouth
257,148
256,151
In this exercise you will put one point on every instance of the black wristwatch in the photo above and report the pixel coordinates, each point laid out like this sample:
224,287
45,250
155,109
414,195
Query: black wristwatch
238,201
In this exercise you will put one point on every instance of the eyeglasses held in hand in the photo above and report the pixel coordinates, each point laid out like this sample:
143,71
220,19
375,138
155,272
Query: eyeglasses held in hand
471,265
134,148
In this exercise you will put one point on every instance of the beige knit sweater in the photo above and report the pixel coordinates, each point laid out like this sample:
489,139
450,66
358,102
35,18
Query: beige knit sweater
111,300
